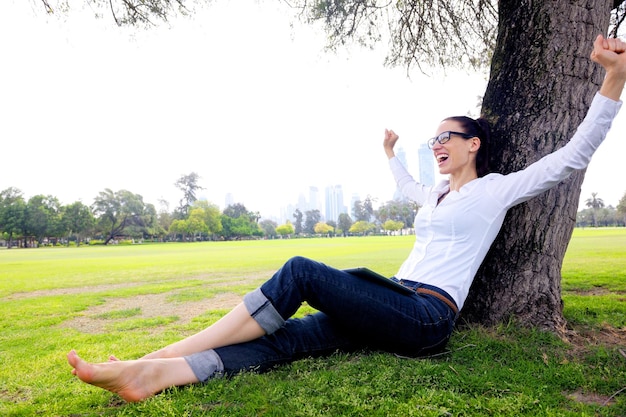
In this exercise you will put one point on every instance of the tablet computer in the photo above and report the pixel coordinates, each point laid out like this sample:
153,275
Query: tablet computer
367,273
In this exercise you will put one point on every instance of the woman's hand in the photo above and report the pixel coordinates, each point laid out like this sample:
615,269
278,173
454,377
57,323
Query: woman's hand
609,53
389,142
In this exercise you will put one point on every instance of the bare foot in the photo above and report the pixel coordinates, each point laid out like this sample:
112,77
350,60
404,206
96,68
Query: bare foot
128,379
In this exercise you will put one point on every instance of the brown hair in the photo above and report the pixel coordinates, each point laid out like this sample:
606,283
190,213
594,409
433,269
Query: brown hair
481,129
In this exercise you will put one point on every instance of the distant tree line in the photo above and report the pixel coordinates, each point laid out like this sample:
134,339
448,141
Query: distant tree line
392,216
115,217
598,215
123,216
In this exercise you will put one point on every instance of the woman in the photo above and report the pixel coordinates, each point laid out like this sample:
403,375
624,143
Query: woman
457,223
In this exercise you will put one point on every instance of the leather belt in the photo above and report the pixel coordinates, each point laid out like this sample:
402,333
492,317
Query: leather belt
442,297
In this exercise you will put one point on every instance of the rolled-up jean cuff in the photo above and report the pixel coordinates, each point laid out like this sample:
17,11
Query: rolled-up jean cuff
262,310
205,364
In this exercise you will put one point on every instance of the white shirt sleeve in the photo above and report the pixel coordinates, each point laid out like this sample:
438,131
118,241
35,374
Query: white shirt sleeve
520,186
410,188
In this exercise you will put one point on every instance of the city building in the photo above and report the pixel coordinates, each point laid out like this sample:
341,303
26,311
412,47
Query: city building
314,199
334,204
354,199
426,163
229,200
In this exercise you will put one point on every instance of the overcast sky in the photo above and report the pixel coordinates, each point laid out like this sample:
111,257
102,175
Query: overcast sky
235,94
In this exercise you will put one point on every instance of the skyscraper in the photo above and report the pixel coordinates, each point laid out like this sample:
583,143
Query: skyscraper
314,200
426,165
229,200
334,203
354,199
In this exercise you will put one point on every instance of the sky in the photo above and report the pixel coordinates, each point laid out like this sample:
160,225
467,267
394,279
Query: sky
239,93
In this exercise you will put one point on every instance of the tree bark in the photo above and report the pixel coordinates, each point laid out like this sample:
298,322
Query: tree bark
541,85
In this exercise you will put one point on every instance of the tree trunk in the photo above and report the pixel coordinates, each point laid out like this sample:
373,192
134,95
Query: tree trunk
541,85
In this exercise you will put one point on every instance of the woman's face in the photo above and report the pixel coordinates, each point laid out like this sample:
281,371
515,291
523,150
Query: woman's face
457,154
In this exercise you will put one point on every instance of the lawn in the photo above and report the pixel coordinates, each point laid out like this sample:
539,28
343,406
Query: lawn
129,300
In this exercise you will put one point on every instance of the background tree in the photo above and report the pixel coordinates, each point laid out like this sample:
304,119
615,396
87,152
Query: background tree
359,212
312,217
43,217
77,219
297,215
164,217
164,220
239,228
594,203
286,229
178,227
116,211
204,220
344,223
188,184
621,207
362,227
584,218
12,213
236,210
255,216
196,224
211,216
238,222
363,210
393,225
149,226
399,211
269,228
606,216
321,228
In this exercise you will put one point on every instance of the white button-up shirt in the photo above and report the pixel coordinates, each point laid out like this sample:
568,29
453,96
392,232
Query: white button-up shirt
453,238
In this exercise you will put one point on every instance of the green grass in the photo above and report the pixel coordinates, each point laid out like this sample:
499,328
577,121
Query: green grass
501,371
594,277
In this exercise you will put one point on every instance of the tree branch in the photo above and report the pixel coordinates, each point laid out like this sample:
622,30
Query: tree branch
618,14
113,13
46,6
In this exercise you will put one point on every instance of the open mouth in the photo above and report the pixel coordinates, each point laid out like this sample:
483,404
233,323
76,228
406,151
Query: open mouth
441,157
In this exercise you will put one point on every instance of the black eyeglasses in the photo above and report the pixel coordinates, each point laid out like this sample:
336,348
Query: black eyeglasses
445,137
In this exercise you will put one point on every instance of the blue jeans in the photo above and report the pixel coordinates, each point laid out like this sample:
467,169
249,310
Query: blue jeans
354,313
